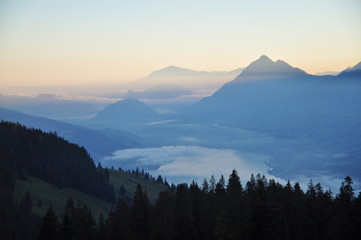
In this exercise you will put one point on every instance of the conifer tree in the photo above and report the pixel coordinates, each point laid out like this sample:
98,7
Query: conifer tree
346,190
50,230
199,210
212,184
118,224
232,220
205,186
159,179
101,231
163,220
67,227
345,212
184,221
141,214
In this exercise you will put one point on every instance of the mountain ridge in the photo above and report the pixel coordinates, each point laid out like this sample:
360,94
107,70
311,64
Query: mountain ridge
97,142
162,91
185,77
264,68
130,109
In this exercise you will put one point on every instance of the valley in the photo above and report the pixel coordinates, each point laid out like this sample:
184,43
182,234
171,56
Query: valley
302,126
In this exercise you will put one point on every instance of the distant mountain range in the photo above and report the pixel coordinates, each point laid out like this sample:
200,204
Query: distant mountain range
186,78
285,102
164,91
268,97
265,82
332,73
351,72
47,105
354,68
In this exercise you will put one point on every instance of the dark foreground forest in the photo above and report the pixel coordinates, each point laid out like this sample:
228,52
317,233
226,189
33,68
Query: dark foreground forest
223,209
260,210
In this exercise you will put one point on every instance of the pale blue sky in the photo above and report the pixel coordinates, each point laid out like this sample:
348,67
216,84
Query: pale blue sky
77,42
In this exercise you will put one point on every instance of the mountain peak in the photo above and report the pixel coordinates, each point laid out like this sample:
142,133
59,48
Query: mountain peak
125,110
352,72
264,68
170,67
264,58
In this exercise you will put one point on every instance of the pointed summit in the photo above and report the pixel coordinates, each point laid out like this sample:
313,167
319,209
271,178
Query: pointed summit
171,69
264,58
351,72
264,68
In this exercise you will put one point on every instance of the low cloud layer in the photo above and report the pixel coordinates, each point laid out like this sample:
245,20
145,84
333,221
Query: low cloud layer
187,163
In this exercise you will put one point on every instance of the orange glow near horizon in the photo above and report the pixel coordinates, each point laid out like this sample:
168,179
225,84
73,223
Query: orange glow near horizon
68,43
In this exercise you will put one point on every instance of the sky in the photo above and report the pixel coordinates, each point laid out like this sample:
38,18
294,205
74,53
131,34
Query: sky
85,42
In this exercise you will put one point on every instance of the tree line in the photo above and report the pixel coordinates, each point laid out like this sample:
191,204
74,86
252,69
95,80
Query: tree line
28,152
31,152
261,209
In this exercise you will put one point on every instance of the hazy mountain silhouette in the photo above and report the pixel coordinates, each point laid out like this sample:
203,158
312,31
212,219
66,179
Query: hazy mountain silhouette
285,102
160,92
47,105
330,73
259,81
186,77
264,68
352,72
357,66
98,142
267,89
128,110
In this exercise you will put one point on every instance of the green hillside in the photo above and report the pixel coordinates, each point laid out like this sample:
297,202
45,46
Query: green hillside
130,181
45,195
39,170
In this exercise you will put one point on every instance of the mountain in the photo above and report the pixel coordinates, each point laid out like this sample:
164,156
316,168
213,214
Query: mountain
41,170
352,72
257,85
164,91
48,105
264,68
51,158
99,143
356,67
332,73
185,77
276,91
285,102
126,111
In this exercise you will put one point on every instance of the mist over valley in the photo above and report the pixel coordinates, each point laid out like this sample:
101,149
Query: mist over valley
300,125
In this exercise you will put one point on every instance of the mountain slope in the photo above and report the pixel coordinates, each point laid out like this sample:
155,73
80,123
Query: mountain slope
285,102
128,110
39,170
51,158
354,72
264,68
185,77
275,90
32,160
99,143
44,194
48,105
